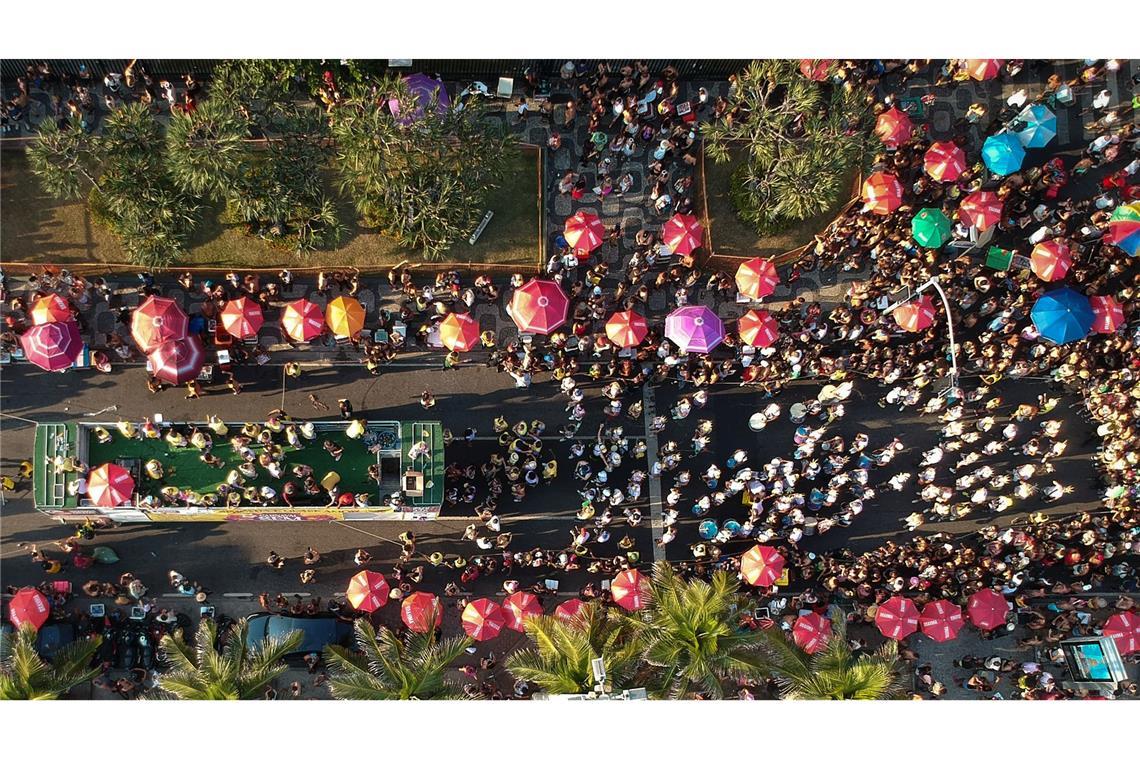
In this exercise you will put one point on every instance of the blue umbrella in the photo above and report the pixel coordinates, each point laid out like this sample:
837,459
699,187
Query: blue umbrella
1038,126
1003,153
1062,315
707,529
732,526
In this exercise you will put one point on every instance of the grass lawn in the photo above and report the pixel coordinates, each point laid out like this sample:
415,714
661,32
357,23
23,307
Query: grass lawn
732,237
38,229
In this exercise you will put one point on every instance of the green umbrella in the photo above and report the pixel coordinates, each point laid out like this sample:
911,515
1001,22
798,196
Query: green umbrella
930,228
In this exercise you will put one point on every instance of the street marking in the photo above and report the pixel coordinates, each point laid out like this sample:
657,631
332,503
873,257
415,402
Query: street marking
657,520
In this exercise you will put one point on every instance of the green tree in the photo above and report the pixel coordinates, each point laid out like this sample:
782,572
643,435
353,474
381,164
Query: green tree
423,175
26,675
689,634
835,672
391,667
795,140
198,671
558,661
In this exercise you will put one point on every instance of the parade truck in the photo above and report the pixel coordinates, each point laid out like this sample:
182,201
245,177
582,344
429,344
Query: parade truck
96,471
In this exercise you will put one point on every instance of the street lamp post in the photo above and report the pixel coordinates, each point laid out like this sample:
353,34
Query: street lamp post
933,283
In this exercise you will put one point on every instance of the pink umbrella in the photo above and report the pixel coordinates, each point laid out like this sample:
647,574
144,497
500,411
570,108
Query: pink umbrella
569,610
897,618
1124,629
367,591
758,328
944,161
53,346
893,127
761,565
882,193
178,361
418,609
242,318
630,590
816,69
1050,260
811,632
584,232
694,328
941,620
1108,314
302,320
156,321
987,609
916,315
29,607
981,209
110,485
518,607
757,278
539,307
683,234
50,308
982,69
483,619
626,329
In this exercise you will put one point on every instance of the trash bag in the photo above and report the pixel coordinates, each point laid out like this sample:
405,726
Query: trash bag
105,555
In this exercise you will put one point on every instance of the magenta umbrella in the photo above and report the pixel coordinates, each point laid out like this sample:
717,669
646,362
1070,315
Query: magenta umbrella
53,346
422,88
178,361
694,328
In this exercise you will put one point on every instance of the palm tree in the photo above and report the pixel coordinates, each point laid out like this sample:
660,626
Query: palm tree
559,663
690,636
413,667
835,672
26,675
199,671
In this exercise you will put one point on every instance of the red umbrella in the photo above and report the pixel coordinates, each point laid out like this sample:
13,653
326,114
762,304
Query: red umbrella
584,232
110,485
757,278
941,620
53,346
1050,260
540,307
758,328
944,161
916,315
811,632
629,590
459,332
483,619
157,321
242,318
29,606
897,618
419,608
569,610
626,329
761,565
683,234
1124,629
178,361
302,320
50,308
981,209
1108,314
982,69
987,609
893,127
518,607
816,69
882,193
367,591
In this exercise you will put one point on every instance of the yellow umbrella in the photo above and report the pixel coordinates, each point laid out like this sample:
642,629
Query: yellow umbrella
344,316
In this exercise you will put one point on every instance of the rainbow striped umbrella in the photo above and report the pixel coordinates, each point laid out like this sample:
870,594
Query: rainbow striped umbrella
1124,228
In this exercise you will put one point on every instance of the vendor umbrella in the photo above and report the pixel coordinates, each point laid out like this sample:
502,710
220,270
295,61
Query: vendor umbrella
694,328
584,231
459,332
981,209
626,329
1124,228
1003,153
897,618
483,619
1050,260
1062,316
302,320
1037,125
811,632
53,346
29,607
683,234
110,485
944,161
1108,314
893,127
539,307
758,328
178,361
569,610
418,609
757,278
518,607
882,193
987,609
930,228
630,590
941,620
982,69
367,591
916,315
1123,628
345,316
761,565
50,308
156,321
816,69
242,318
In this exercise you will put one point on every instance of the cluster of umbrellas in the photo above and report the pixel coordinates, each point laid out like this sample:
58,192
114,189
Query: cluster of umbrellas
302,320
161,330
53,342
941,620
585,233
